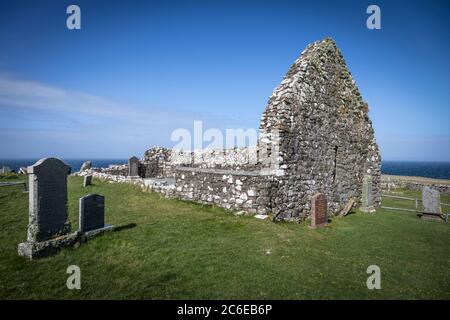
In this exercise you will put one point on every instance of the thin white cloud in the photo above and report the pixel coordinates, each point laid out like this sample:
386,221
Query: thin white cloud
37,96
55,118
34,95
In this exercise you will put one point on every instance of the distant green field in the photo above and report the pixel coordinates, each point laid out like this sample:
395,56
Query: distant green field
408,204
170,249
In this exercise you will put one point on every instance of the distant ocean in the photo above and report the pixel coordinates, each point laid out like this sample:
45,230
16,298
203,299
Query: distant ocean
437,170
75,164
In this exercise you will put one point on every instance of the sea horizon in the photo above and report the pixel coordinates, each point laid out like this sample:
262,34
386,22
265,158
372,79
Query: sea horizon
426,169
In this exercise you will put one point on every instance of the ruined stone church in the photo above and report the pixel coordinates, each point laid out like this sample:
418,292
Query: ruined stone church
315,136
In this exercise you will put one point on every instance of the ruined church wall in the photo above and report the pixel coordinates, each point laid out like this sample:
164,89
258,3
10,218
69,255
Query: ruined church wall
155,163
115,170
162,162
230,189
326,138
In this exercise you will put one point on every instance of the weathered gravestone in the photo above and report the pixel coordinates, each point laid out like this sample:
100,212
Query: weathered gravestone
92,214
431,200
348,207
86,165
48,226
319,211
367,195
87,181
133,167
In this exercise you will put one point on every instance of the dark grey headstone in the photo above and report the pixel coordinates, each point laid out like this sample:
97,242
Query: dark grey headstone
92,212
48,215
87,181
133,167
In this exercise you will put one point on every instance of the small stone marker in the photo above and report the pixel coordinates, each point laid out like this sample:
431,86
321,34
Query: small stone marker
92,213
431,200
367,195
86,165
348,207
48,215
87,181
133,167
23,170
319,211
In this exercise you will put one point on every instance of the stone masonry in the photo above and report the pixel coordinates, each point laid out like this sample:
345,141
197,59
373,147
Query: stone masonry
326,138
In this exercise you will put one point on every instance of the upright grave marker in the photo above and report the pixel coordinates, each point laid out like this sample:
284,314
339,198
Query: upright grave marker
367,195
87,181
431,200
48,224
92,214
348,207
133,167
319,211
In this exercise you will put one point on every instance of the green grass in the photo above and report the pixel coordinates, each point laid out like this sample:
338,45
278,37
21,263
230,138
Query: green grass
9,176
180,250
408,204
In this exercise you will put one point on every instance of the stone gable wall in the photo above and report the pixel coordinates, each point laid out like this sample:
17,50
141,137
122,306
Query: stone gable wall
326,138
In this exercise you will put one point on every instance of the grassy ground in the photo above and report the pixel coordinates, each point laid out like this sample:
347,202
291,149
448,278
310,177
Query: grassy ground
418,179
174,249
409,204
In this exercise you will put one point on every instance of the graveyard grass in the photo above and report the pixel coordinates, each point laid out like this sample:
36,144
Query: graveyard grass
170,249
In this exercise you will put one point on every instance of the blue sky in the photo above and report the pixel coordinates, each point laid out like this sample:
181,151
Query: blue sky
137,70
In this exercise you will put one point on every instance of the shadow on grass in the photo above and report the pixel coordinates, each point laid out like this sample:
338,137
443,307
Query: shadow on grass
350,213
124,227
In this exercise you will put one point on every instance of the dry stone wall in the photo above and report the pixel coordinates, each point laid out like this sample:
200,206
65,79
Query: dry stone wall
230,189
389,182
115,169
162,162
